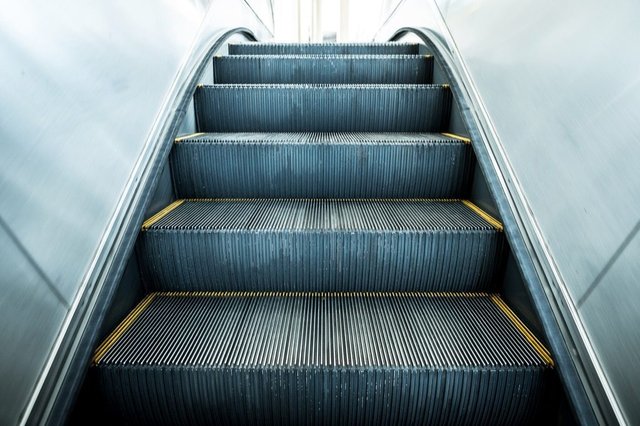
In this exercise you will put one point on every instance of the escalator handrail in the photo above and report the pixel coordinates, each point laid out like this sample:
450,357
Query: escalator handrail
67,363
578,373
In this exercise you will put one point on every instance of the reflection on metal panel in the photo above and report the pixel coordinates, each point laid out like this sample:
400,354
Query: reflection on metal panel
561,91
611,316
30,319
77,104
566,111
79,100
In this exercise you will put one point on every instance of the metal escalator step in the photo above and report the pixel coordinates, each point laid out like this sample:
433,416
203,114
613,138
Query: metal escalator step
321,245
323,49
322,358
321,165
323,69
322,108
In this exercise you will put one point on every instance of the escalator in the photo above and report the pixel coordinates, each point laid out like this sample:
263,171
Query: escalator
323,262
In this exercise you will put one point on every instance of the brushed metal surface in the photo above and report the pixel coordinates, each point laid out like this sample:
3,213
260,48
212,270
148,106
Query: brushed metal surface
560,333
31,316
565,110
561,89
82,88
77,104
611,316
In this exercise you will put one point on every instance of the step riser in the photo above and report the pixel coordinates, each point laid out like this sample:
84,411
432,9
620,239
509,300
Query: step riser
320,261
281,170
322,109
323,49
324,70
321,396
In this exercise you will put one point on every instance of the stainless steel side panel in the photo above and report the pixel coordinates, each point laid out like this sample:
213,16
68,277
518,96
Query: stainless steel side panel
610,315
559,83
82,86
31,318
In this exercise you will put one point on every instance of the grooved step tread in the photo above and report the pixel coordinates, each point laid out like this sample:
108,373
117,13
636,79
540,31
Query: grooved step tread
268,358
320,138
277,329
321,165
380,215
323,69
390,48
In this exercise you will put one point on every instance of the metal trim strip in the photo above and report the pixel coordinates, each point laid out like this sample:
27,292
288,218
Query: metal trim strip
122,328
486,216
162,213
533,340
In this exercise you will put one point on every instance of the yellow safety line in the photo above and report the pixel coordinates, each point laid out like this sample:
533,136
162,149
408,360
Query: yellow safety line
120,330
486,216
162,213
537,345
453,135
192,135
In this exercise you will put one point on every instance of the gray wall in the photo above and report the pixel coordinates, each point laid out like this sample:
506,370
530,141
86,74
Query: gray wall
560,87
83,84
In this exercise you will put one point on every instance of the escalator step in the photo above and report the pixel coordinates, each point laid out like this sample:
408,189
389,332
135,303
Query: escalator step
321,165
322,358
322,69
321,245
323,49
322,108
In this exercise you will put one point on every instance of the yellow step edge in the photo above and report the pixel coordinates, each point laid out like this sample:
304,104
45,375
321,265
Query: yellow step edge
453,135
121,329
162,213
111,340
486,216
533,340
189,136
